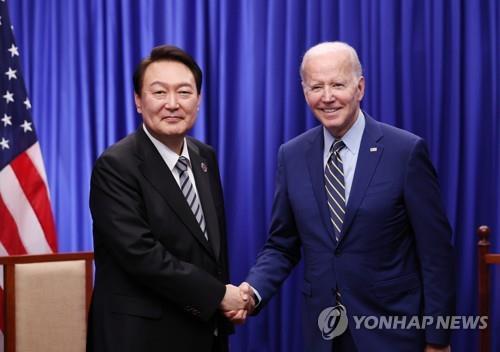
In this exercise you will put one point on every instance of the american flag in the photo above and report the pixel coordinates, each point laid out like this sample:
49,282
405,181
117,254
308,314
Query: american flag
26,221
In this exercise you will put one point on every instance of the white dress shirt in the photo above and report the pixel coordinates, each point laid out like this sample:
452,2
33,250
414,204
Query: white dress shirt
170,157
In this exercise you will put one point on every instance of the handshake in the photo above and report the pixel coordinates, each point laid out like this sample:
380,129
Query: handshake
238,302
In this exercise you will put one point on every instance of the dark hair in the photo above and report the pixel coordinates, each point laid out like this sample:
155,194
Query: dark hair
167,53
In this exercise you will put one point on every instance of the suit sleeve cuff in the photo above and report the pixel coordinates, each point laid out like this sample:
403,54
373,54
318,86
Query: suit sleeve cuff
258,298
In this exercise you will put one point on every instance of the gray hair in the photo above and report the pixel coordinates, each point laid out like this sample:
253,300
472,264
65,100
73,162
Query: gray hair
334,46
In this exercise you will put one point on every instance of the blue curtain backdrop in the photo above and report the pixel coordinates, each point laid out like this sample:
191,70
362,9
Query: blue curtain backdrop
432,67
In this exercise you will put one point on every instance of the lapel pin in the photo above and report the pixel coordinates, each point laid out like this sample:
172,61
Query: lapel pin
373,149
204,167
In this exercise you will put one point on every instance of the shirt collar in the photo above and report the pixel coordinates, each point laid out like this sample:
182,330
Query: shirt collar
352,138
169,156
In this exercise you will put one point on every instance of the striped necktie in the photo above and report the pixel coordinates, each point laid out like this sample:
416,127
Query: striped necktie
189,193
335,187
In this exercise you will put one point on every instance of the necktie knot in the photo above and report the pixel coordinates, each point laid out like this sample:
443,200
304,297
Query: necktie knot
182,164
337,146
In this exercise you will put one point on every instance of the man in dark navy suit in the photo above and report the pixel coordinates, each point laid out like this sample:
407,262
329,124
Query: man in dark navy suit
360,201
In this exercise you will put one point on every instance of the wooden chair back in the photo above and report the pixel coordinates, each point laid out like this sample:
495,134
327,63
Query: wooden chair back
485,260
46,300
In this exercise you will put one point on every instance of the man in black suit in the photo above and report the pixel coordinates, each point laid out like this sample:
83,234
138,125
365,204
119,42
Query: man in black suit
159,226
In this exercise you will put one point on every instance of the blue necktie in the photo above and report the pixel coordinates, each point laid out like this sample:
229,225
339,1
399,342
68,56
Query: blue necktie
335,187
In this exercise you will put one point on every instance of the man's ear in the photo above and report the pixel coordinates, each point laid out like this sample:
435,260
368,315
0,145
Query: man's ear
304,90
138,106
361,88
198,103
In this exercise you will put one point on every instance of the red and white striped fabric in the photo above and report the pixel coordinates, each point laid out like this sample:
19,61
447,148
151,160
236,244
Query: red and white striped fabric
26,221
25,212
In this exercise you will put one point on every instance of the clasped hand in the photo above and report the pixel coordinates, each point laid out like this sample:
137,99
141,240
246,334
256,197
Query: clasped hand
238,302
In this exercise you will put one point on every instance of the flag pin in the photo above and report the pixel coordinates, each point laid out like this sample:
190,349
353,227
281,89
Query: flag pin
204,167
373,149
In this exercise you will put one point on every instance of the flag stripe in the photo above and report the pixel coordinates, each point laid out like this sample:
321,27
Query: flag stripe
9,235
30,231
36,192
3,252
35,155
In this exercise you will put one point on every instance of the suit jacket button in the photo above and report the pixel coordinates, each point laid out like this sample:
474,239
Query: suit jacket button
337,253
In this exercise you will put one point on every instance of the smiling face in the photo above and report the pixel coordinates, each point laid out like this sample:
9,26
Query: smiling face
332,88
168,101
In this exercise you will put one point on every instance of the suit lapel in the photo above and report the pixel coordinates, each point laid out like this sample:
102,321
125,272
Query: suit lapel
159,175
370,151
201,174
316,172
